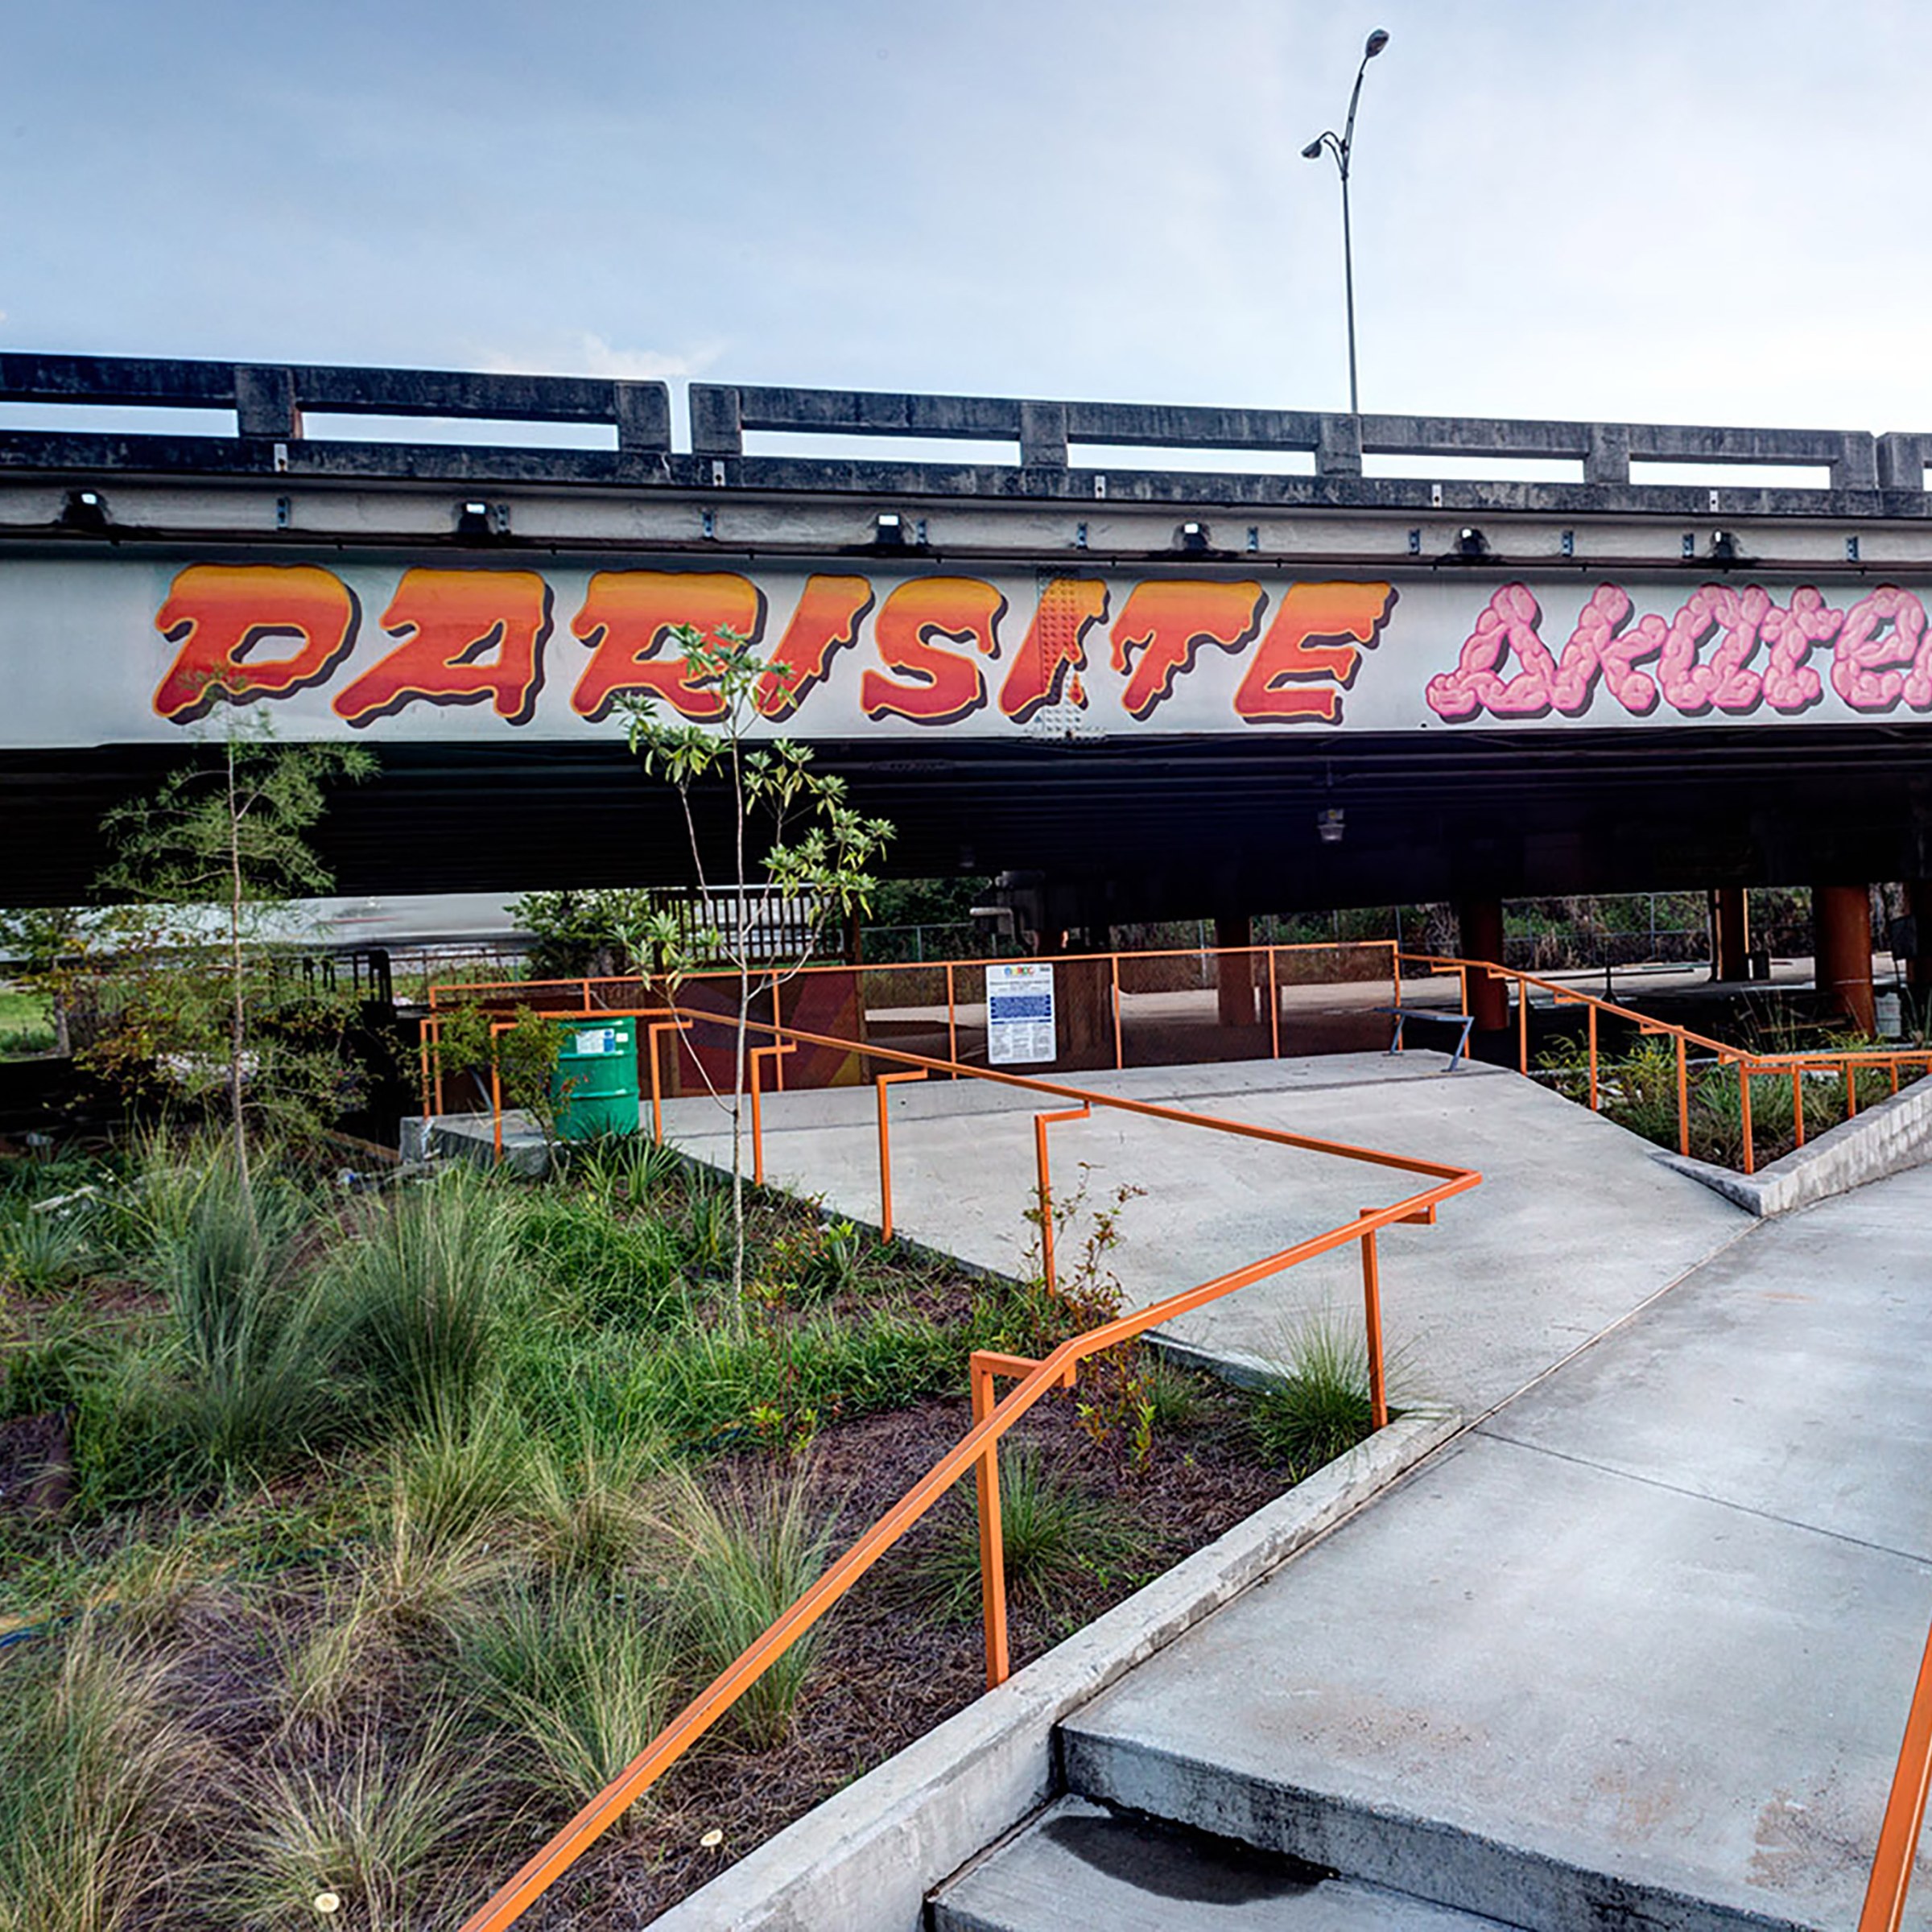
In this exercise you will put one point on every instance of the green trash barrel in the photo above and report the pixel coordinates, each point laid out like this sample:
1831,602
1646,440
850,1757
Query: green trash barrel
596,1083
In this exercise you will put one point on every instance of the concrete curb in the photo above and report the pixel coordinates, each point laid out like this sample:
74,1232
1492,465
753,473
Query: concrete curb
865,1859
1883,1140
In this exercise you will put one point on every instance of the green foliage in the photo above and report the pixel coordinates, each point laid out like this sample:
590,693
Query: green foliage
584,934
1055,1536
602,1267
581,1671
92,1774
1320,1407
196,995
752,1549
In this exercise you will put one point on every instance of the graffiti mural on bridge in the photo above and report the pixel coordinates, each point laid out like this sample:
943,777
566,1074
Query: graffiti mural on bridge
141,646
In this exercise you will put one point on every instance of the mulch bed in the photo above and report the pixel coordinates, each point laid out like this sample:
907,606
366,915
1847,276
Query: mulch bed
888,1672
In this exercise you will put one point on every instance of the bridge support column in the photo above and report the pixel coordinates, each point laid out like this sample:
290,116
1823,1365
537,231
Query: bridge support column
1918,954
1841,925
1234,977
1730,933
1480,923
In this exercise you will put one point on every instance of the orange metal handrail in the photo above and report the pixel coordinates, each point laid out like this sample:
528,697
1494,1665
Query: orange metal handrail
1884,1910
977,1450
1750,1064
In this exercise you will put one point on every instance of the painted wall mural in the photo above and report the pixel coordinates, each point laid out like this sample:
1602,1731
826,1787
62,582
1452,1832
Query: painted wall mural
115,649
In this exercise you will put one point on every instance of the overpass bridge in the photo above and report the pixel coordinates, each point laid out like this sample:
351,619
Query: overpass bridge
1351,661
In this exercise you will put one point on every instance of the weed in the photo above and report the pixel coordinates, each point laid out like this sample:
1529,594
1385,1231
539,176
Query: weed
1320,1407
43,1249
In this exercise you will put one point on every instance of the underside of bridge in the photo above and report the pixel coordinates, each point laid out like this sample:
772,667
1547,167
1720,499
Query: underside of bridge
1164,827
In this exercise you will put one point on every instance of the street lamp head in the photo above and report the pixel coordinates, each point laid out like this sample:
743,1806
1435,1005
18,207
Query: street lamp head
1313,151
1377,41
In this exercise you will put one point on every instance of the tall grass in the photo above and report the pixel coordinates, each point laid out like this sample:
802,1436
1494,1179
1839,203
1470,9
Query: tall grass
421,1285
1320,1407
381,1823
93,1774
752,1548
581,1671
1055,1538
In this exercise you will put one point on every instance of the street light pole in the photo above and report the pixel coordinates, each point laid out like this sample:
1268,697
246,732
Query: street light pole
1341,148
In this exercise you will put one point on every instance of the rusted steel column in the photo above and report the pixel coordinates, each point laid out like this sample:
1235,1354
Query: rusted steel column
1481,922
1234,972
1730,933
1841,924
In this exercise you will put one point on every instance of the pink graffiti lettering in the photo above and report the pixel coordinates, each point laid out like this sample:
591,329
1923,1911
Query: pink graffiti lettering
1704,655
1882,632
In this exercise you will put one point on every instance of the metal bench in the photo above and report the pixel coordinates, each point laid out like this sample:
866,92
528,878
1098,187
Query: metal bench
1463,1021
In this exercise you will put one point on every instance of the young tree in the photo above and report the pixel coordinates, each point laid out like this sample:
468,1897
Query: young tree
798,845
50,943
210,862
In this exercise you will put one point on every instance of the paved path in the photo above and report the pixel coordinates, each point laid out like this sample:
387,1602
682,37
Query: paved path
1657,1618
1574,1226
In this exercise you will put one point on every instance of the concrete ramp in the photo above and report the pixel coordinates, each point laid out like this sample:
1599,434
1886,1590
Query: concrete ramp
1575,1224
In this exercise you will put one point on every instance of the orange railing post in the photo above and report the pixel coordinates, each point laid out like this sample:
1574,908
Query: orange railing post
953,1020
1797,1102
1744,1108
1884,1909
1594,1108
1040,1123
757,1123
1274,1007
1522,1026
1113,959
886,1080
1851,1091
652,1034
993,1544
1683,1100
1372,1315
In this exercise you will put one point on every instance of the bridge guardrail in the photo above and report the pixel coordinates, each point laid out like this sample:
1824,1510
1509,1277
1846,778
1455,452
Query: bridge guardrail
1867,474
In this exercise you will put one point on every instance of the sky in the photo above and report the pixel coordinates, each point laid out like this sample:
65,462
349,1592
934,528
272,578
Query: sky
1661,210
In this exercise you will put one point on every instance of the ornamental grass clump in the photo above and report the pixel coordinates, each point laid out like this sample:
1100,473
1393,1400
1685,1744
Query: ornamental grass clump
1320,1408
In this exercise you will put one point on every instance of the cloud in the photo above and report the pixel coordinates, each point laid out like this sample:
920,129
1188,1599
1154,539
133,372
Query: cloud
586,354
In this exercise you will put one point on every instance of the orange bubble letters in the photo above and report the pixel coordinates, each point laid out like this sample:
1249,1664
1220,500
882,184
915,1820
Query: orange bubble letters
1167,620
222,615
942,686
1055,644
1294,677
467,634
626,617
826,620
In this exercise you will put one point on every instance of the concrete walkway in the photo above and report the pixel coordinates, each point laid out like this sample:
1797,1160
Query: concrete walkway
1574,1226
1636,1651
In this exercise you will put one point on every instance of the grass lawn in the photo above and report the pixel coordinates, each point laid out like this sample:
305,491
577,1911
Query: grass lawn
348,1544
27,1024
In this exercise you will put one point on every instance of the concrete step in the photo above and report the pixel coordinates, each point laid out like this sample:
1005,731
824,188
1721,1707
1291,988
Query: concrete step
1080,1865
1389,1852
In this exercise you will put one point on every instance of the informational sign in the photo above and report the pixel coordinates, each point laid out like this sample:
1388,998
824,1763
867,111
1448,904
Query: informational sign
598,1040
114,649
1019,1014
